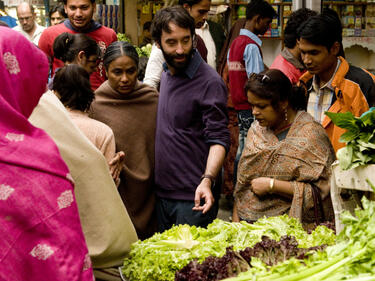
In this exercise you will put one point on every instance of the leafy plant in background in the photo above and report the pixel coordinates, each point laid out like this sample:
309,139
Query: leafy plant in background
359,138
144,51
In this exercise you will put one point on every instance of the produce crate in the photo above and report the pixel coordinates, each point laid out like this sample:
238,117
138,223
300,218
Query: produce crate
357,179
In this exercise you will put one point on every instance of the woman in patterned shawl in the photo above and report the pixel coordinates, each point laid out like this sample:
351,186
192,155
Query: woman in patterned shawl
285,167
40,230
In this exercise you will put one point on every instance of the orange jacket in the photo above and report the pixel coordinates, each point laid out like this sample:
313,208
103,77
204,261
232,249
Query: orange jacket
354,89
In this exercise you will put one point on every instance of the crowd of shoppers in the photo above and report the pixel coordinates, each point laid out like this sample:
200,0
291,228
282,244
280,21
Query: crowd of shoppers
95,159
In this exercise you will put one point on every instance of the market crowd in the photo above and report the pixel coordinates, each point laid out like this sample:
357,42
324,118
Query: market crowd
94,157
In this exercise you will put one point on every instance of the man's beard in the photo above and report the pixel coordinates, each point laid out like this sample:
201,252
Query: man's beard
178,66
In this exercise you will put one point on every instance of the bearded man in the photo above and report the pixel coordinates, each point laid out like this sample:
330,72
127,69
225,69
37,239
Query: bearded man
191,135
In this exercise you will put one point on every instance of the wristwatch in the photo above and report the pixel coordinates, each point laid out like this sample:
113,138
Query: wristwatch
207,176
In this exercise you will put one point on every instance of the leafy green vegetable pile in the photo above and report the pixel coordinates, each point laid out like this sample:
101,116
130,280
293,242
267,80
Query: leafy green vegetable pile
232,263
351,258
123,37
144,51
359,137
159,257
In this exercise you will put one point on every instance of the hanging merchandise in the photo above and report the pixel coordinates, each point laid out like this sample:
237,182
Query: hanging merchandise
156,8
146,8
108,15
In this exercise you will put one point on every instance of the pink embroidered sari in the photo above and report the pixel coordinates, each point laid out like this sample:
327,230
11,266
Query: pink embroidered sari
41,235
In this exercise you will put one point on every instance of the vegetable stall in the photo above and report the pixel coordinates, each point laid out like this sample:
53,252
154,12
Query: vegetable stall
275,248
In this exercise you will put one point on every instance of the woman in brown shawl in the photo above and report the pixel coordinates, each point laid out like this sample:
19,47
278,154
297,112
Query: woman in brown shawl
285,167
129,107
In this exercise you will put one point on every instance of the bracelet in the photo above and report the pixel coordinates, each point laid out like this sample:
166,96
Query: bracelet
272,182
211,178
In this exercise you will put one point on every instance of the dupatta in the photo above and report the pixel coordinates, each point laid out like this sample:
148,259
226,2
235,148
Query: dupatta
41,235
303,158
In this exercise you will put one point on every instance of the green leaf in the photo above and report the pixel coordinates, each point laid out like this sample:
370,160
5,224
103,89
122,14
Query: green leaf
366,136
345,157
344,120
368,118
366,144
348,136
358,156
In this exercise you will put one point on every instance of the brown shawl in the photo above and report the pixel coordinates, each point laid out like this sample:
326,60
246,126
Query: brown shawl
132,118
303,158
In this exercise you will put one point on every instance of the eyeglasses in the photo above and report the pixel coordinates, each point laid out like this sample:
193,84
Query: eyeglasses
25,19
97,61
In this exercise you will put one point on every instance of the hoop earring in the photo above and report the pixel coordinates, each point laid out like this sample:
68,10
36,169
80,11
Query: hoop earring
286,114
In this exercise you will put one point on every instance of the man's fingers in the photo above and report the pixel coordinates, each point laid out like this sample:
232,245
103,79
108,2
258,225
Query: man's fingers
197,200
207,206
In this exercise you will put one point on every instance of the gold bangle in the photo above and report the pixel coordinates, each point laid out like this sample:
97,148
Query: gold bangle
272,182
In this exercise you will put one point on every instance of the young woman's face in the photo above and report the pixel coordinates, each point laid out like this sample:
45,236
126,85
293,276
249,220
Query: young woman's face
122,74
264,112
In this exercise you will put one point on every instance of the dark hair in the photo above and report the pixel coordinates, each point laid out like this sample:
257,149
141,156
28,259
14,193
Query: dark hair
177,15
274,85
332,13
142,68
189,2
66,2
147,25
324,29
294,22
261,8
72,83
58,8
67,46
118,49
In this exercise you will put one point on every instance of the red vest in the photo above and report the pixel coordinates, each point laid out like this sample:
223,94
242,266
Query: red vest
237,71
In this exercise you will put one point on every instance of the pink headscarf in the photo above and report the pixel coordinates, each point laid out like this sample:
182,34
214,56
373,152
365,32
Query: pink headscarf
41,235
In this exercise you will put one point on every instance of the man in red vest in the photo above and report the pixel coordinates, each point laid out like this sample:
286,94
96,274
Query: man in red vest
244,58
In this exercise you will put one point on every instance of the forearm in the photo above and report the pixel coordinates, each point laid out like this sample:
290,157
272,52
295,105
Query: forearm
283,188
215,160
265,185
214,163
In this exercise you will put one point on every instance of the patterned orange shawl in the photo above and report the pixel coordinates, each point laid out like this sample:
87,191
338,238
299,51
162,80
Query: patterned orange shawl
304,158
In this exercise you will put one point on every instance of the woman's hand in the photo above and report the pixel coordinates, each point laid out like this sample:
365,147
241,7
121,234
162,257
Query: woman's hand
116,165
260,186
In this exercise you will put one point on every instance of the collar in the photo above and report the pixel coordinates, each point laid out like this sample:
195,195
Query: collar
286,54
193,66
205,25
91,27
342,70
328,85
251,35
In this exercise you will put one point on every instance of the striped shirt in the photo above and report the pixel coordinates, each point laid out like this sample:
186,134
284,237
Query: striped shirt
321,98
